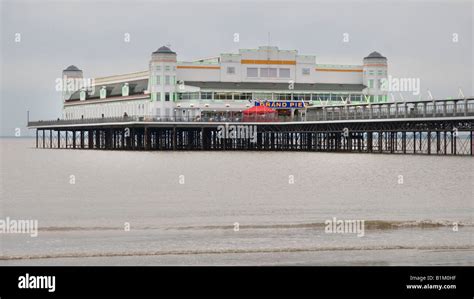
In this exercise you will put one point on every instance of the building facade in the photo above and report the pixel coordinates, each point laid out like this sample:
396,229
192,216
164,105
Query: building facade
224,86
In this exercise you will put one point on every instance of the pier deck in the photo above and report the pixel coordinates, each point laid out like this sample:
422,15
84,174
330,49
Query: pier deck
443,127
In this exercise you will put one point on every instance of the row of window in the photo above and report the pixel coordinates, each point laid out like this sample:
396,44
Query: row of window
374,83
103,92
228,95
271,72
168,96
373,72
166,68
268,72
376,98
253,72
215,95
168,80
107,110
249,96
268,96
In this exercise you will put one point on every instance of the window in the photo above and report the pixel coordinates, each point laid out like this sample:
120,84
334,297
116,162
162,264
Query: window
343,97
82,95
379,72
263,96
322,97
283,97
167,96
268,72
242,96
158,80
335,97
167,80
355,98
284,73
272,72
103,93
158,68
379,83
371,72
189,96
125,90
305,71
301,97
167,68
252,72
206,95
230,70
371,83
223,96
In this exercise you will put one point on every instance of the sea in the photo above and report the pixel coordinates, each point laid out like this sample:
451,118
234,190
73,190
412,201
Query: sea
186,208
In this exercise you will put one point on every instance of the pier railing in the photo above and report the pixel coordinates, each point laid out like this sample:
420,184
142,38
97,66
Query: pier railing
106,120
364,111
393,110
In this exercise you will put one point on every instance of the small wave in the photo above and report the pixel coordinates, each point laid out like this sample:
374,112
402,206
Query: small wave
226,251
77,228
368,225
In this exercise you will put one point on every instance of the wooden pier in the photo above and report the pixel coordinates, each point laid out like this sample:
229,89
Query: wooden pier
451,133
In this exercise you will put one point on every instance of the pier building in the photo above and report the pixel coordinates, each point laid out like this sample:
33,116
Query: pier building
263,99
222,87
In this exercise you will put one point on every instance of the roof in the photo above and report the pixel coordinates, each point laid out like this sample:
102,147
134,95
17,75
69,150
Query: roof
275,86
164,50
259,110
114,90
375,54
72,68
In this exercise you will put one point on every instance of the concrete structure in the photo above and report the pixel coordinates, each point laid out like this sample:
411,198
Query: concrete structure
220,88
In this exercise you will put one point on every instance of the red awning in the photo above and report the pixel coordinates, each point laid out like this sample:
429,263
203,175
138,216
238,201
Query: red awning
259,110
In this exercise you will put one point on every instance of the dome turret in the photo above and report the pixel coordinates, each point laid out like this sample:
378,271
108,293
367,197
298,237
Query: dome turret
376,55
72,68
164,50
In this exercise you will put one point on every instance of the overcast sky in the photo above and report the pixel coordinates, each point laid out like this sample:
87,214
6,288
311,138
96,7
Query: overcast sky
415,36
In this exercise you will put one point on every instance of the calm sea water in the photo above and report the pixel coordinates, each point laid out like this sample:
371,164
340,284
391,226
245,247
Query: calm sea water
183,207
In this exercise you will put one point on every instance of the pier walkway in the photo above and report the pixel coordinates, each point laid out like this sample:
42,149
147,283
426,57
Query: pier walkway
441,127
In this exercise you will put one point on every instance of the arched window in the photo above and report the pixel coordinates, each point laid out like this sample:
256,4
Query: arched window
82,95
103,92
125,90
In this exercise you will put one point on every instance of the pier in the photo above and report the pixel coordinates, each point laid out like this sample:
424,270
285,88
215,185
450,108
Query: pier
436,127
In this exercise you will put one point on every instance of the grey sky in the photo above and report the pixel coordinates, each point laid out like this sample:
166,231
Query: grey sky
415,36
